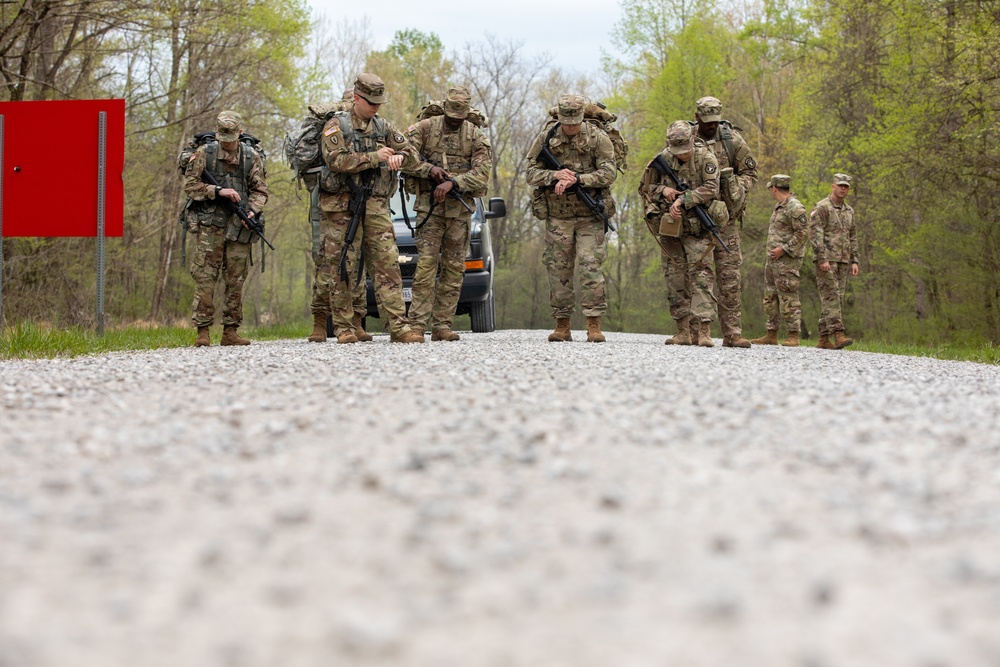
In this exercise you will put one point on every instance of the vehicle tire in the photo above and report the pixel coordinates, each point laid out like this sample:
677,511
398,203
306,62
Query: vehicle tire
483,316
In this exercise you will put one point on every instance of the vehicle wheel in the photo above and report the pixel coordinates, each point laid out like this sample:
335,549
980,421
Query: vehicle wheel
483,316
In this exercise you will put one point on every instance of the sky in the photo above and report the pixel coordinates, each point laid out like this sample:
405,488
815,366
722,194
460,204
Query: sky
573,35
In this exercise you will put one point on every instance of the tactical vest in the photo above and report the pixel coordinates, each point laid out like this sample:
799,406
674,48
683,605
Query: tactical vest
209,211
693,174
455,157
569,154
386,181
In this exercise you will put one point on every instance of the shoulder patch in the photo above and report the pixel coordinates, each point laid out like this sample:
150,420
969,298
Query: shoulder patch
750,163
333,129
193,156
398,138
411,129
710,168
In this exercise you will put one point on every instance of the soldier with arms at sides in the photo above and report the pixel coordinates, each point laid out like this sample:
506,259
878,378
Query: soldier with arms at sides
834,238
224,242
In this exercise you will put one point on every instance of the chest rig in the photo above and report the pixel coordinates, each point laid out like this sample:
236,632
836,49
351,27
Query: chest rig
385,182
209,212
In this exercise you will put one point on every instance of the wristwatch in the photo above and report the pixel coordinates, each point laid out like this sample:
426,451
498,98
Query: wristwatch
218,189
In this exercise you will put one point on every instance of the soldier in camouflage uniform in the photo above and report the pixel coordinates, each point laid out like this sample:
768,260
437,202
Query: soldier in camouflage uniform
321,284
737,175
834,239
786,243
573,233
223,240
456,158
358,145
686,247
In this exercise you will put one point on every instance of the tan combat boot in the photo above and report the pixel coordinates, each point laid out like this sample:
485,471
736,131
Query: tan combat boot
683,336
359,330
319,328
230,337
562,333
594,334
824,343
346,336
202,340
705,334
444,334
735,340
770,338
840,340
792,340
410,336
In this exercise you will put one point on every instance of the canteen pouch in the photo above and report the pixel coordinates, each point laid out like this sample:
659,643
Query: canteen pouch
669,226
235,231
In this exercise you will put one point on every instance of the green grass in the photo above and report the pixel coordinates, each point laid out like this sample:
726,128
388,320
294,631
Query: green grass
985,353
31,341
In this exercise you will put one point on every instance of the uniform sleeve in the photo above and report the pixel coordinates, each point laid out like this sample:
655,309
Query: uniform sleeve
746,165
650,191
257,183
799,224
817,230
337,155
853,235
604,162
478,176
194,187
537,174
709,188
415,135
397,142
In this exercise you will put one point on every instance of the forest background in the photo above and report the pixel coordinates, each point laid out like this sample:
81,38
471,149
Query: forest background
902,94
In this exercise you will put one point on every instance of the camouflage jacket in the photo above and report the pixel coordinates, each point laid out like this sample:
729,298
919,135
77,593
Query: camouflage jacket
789,228
832,233
253,192
590,154
701,172
464,153
340,157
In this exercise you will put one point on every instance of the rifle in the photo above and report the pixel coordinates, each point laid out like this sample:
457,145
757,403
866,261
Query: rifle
356,206
704,218
596,206
252,224
455,193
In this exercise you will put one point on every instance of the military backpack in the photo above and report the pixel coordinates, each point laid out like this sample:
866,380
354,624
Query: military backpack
302,148
436,108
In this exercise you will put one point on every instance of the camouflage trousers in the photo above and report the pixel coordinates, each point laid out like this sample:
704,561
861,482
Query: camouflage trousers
781,293
568,242
215,255
378,241
449,239
832,284
728,282
690,277
321,282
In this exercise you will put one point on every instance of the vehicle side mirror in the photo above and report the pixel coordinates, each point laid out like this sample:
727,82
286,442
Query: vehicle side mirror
498,208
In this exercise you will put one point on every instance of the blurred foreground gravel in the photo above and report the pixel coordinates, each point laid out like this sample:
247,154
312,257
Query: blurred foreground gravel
499,502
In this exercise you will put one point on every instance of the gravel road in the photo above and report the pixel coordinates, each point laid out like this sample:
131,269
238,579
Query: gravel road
499,502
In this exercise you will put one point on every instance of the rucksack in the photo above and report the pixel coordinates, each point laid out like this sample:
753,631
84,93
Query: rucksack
302,149
436,108
597,114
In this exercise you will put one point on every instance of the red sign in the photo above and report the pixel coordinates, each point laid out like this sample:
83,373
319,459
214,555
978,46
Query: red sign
50,167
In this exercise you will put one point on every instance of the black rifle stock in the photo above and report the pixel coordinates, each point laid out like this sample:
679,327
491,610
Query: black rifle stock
356,207
699,210
232,207
552,162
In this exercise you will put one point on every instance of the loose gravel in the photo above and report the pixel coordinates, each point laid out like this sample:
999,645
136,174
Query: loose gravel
499,502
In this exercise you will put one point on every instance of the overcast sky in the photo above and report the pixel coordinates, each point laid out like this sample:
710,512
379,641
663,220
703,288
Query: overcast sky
572,34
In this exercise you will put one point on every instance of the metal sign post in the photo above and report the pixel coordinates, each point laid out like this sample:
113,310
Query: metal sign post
101,170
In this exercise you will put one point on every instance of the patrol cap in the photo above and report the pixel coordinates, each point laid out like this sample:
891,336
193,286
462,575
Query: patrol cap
783,181
570,110
709,109
228,125
842,179
680,137
457,104
370,87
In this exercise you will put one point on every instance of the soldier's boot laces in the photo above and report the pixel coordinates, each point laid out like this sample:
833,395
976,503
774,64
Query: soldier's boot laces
594,334
735,340
346,336
359,330
840,340
319,328
705,334
410,336
770,338
230,337
683,336
562,333
824,343
792,340
444,334
202,340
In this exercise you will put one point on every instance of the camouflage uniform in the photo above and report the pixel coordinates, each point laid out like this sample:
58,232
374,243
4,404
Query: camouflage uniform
465,154
572,231
375,236
686,256
223,244
834,239
734,188
789,231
